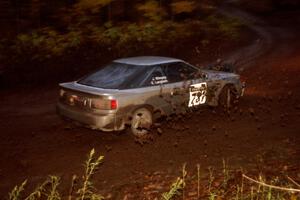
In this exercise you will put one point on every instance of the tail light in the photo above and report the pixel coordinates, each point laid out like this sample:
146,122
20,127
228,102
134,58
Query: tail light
113,104
104,104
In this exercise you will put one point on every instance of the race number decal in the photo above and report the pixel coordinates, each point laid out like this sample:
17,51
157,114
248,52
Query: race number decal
197,94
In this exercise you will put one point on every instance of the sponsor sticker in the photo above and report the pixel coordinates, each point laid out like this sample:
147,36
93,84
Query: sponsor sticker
197,94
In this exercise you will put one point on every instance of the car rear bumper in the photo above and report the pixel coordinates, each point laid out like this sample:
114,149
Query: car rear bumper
104,122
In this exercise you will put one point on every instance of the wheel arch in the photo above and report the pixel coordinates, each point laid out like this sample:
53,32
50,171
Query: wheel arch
156,112
228,84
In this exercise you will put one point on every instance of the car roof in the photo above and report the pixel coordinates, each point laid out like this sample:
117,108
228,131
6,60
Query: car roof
147,60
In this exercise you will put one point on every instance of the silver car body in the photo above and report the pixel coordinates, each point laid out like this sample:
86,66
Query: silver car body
161,96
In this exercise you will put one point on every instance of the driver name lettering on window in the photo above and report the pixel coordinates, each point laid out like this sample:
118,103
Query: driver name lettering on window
159,80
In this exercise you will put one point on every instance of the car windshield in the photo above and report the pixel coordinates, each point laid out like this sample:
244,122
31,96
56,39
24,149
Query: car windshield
117,76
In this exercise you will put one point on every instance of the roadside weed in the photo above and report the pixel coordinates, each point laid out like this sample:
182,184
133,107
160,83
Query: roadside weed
227,184
91,165
49,189
16,192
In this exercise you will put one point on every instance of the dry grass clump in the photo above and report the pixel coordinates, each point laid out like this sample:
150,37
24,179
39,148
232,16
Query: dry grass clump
212,185
177,187
49,189
235,184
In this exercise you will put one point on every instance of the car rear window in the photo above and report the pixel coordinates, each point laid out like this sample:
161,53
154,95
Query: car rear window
117,76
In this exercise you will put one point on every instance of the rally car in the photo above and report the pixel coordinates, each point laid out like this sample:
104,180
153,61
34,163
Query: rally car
134,91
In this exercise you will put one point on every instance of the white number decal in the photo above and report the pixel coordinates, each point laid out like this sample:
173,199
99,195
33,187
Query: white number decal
197,94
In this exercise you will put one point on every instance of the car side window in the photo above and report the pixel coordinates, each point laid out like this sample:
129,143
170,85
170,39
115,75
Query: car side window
177,72
188,71
157,77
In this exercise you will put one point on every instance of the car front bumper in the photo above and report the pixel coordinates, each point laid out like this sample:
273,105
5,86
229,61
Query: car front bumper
104,122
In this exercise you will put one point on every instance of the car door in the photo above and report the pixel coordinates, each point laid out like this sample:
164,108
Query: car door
186,86
152,87
176,90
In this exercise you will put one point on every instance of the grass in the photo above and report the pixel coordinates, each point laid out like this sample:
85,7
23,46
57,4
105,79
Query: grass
49,189
235,184
215,185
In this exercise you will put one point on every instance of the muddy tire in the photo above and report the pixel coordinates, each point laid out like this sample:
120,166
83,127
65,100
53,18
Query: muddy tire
227,97
141,122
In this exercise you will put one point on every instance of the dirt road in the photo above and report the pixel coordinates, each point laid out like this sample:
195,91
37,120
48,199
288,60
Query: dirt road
262,131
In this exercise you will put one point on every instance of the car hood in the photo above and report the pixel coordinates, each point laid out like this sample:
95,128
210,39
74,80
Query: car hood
217,75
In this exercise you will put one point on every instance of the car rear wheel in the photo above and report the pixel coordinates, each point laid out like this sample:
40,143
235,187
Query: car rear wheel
141,122
227,97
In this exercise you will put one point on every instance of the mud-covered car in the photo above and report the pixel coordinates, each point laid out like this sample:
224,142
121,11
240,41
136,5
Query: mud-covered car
135,91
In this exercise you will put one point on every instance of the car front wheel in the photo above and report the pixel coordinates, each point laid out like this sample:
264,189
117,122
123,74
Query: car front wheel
141,122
